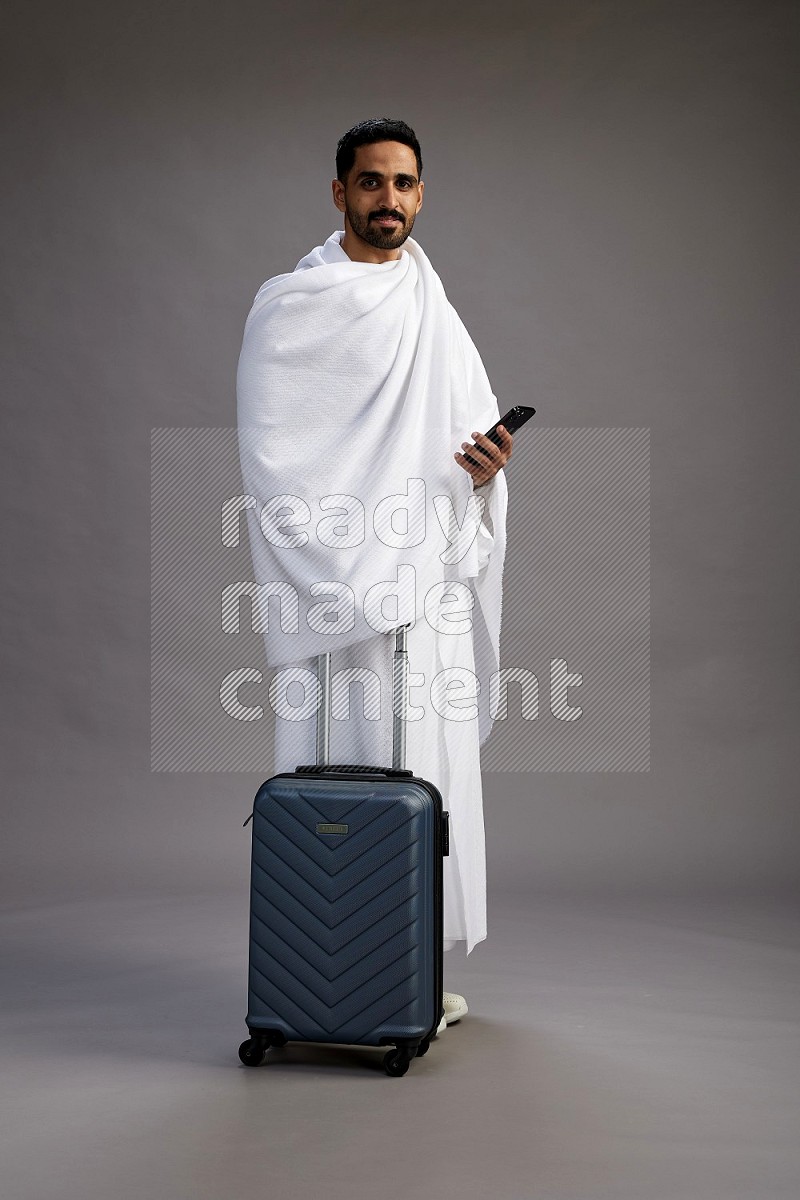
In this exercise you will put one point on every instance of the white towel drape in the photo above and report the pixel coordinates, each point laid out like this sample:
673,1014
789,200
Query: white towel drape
356,383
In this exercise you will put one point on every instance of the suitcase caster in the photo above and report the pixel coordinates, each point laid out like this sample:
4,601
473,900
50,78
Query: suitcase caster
253,1052
397,1062
424,1047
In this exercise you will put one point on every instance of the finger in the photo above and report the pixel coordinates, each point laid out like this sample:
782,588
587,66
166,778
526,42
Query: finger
489,448
472,458
506,440
477,471
503,450
502,453
463,461
472,465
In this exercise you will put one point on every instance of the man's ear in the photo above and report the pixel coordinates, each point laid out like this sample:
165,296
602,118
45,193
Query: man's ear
337,187
421,190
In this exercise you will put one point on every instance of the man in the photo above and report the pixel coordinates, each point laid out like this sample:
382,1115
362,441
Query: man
356,382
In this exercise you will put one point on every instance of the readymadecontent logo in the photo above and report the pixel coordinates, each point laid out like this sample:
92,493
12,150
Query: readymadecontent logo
399,521
207,615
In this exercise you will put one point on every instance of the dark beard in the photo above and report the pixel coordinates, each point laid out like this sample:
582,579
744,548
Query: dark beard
381,239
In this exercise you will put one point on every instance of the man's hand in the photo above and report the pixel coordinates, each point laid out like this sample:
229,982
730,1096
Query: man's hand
482,469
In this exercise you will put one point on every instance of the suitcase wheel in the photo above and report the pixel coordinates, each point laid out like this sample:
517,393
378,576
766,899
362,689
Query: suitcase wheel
424,1047
253,1052
397,1062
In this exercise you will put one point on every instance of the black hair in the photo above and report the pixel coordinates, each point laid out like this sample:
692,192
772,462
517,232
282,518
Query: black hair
377,129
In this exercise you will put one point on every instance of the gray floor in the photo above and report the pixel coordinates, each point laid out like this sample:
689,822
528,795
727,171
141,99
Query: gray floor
623,1050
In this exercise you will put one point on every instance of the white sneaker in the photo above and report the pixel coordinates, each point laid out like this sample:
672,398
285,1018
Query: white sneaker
455,1007
442,1026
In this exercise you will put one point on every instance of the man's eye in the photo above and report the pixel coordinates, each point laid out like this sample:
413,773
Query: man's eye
404,183
369,182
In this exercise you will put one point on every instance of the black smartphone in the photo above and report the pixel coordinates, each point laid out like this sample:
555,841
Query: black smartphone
514,419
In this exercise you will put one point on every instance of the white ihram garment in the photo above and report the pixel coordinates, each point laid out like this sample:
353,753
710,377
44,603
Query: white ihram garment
355,379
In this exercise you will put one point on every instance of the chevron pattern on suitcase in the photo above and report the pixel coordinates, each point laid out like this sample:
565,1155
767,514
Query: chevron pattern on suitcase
339,935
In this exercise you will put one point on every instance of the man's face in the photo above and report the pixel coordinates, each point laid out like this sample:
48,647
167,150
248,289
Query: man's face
382,194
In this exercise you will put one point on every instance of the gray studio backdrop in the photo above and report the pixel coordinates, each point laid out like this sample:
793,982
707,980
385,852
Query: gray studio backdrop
609,205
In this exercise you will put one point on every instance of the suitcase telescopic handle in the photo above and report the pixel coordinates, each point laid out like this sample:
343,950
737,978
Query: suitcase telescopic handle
399,708
352,769
399,698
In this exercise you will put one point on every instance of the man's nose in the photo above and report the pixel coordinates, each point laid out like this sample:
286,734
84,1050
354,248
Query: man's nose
388,196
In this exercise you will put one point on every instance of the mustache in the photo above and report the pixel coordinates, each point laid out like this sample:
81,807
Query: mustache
388,213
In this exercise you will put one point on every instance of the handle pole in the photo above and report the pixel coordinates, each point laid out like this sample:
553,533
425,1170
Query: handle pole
324,711
399,703
399,698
